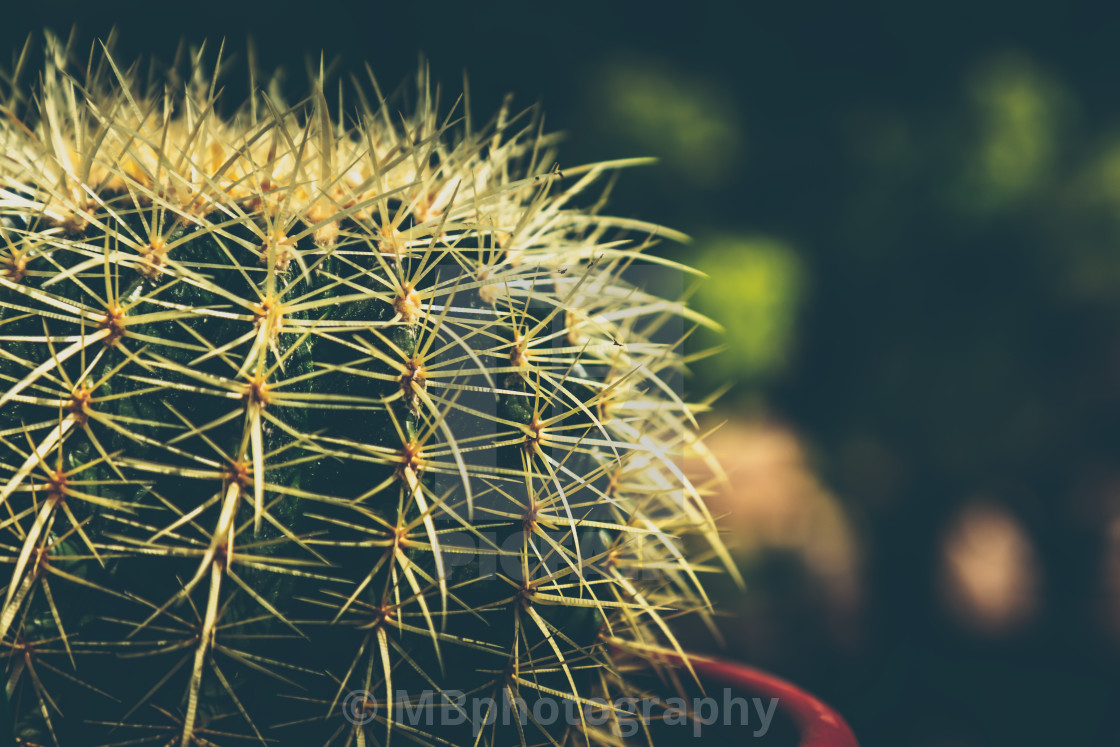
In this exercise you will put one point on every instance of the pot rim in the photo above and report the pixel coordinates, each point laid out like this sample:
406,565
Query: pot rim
817,724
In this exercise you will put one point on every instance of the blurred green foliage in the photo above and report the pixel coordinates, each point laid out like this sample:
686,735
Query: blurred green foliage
753,290
688,121
1019,114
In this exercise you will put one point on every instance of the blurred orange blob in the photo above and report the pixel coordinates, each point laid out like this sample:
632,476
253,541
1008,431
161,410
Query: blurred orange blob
989,576
1110,572
772,501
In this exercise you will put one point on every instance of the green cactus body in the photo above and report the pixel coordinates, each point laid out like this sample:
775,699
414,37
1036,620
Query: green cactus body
298,420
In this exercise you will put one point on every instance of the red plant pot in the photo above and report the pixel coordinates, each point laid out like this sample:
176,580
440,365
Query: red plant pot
816,723
808,722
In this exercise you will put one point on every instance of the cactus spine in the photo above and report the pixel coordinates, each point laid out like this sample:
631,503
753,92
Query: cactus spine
298,403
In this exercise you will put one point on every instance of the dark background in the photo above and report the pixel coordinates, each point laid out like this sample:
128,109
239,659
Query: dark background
930,194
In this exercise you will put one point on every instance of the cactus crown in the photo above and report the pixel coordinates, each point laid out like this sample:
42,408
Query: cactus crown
305,401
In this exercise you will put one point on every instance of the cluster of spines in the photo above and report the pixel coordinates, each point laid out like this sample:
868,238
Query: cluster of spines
267,377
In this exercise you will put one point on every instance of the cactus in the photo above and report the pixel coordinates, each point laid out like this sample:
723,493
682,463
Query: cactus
308,410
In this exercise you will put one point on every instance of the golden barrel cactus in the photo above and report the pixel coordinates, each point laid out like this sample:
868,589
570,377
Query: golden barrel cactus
309,412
